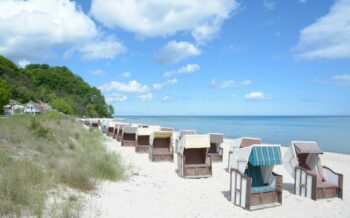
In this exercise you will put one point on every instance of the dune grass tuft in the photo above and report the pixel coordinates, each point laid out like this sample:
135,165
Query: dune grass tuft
41,153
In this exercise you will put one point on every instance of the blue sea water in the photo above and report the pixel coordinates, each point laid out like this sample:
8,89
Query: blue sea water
332,133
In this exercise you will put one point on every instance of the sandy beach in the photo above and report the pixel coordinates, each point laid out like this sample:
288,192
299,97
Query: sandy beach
155,190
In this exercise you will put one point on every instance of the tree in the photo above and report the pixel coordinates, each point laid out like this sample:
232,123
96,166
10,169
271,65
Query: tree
4,94
63,106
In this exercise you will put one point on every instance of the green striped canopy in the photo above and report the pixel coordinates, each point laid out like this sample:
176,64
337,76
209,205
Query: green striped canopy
265,156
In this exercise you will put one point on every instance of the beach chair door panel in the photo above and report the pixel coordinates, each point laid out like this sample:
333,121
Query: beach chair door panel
303,183
238,189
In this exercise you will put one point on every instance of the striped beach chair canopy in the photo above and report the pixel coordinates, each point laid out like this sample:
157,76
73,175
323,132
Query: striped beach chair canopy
265,156
305,147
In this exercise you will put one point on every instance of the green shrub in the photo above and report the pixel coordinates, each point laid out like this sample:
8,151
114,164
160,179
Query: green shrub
38,129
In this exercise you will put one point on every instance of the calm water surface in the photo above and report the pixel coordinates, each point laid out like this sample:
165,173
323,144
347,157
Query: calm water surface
331,132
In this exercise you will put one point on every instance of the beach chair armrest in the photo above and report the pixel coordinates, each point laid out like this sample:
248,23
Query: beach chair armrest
279,181
333,177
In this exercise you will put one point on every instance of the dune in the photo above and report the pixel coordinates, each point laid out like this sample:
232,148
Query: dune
155,190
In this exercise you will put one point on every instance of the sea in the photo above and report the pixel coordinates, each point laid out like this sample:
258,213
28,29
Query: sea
332,133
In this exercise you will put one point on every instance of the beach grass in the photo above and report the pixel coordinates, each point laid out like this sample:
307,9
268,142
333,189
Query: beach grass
44,152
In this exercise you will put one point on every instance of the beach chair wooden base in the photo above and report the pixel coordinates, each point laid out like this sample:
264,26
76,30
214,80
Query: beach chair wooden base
197,165
240,192
110,134
215,157
127,143
141,148
162,157
142,145
94,125
306,181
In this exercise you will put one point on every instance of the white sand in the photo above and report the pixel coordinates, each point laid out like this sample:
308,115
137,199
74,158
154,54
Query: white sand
155,190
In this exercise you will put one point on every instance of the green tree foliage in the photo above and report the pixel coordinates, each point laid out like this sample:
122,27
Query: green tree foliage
58,86
4,94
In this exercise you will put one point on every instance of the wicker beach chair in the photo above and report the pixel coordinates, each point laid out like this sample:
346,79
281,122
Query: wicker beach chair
241,143
129,136
253,185
192,157
120,131
312,180
93,123
110,128
181,134
215,150
143,137
161,148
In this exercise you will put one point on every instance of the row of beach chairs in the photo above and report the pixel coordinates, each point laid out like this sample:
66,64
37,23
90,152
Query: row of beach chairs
253,183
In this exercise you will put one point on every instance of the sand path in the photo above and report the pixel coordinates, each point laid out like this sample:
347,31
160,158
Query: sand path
155,190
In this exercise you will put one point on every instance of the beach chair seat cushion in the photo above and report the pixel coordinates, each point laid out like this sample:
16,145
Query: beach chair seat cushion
261,189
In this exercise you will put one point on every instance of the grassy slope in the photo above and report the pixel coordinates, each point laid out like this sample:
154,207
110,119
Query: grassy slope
42,153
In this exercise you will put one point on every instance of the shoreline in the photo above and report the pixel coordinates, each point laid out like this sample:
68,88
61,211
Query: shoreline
155,190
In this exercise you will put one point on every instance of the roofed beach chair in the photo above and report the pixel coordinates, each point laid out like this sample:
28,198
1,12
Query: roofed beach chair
104,125
161,148
110,128
120,131
143,137
215,150
253,184
166,129
94,123
181,134
312,180
116,129
129,136
192,157
241,143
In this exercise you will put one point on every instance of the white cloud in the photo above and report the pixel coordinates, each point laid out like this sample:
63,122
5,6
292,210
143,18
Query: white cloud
146,97
97,72
329,36
29,29
257,96
229,83
23,63
132,87
173,52
126,74
343,79
187,69
111,99
99,49
159,86
165,98
154,18
269,5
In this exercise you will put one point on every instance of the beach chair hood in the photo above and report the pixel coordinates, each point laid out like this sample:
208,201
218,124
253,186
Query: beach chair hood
216,138
193,141
161,134
130,129
182,133
301,147
244,142
264,155
147,131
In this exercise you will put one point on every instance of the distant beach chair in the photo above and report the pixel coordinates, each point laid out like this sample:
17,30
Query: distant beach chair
143,137
116,129
253,184
166,129
110,129
161,148
215,150
129,136
242,143
312,180
193,160
120,131
94,123
181,134
104,126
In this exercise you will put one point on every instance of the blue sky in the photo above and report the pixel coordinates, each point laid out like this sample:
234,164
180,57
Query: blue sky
197,57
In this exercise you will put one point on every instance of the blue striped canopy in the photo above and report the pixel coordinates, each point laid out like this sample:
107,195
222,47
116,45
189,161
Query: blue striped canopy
265,156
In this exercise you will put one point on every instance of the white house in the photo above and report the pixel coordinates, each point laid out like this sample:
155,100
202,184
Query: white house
31,107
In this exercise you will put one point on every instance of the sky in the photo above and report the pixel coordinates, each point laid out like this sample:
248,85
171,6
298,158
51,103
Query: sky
198,57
